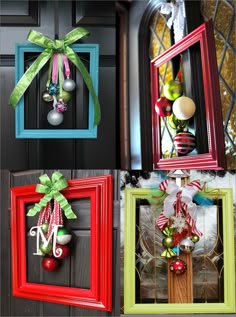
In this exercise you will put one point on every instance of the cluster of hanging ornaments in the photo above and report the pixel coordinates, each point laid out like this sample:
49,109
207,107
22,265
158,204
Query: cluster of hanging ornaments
179,229
52,237
58,88
179,109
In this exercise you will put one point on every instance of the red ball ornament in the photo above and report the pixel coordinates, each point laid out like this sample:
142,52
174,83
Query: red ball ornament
184,142
178,266
64,250
49,264
163,107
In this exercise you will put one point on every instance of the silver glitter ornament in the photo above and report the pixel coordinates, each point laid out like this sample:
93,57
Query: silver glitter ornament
186,245
68,84
46,97
54,117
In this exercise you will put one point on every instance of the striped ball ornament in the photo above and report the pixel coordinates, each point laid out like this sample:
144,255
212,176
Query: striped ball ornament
184,142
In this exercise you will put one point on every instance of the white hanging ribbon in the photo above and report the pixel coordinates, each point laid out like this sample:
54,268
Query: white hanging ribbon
177,18
179,199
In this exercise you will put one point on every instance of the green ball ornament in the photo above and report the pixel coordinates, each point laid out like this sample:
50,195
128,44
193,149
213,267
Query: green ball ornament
62,232
177,124
44,227
40,253
172,89
167,242
195,238
45,248
63,236
66,96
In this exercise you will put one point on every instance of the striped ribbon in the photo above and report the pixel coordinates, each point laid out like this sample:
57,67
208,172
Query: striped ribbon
179,201
52,217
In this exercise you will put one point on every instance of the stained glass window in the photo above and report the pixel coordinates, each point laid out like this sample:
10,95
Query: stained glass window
208,266
223,14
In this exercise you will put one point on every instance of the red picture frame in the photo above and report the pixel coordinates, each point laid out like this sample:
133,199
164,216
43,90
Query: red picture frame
215,158
99,296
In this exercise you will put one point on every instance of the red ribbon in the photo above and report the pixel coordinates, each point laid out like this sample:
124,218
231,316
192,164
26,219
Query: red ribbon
180,206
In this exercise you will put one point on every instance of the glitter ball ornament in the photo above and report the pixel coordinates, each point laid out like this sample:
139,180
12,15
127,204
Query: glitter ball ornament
68,84
60,106
54,117
53,89
63,236
178,266
184,108
163,107
186,245
49,264
47,97
184,142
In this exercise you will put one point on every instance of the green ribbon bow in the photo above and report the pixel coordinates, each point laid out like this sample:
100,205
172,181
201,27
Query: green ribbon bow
51,46
51,190
168,253
168,231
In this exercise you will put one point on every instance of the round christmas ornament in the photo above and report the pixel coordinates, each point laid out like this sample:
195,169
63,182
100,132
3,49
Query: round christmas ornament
47,97
178,266
49,264
60,106
186,245
177,124
195,238
54,117
184,142
68,85
184,108
172,89
167,242
63,236
163,107
44,227
63,250
66,96
45,247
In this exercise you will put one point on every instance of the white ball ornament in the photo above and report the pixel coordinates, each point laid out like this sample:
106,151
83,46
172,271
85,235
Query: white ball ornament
68,84
54,117
63,236
183,108
64,239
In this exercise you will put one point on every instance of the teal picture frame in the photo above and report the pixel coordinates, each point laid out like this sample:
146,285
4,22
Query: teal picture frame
24,133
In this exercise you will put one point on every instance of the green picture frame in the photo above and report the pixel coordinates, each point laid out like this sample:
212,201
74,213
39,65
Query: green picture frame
130,306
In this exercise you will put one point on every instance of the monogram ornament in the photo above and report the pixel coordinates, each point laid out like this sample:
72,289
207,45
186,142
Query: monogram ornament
51,235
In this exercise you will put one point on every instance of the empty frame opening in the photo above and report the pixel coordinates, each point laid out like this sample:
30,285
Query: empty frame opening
36,108
178,69
208,256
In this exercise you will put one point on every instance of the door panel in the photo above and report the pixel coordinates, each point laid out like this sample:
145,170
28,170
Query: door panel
59,17
74,271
